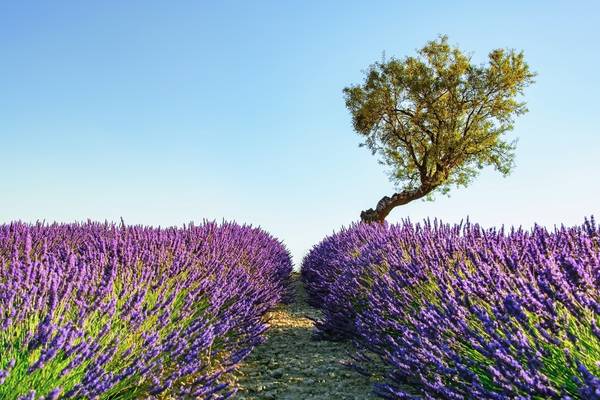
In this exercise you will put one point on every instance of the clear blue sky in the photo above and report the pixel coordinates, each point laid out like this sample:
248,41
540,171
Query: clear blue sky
166,112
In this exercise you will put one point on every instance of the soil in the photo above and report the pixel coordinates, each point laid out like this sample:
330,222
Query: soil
291,364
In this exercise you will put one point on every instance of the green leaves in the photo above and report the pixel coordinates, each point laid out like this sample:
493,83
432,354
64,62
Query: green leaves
436,119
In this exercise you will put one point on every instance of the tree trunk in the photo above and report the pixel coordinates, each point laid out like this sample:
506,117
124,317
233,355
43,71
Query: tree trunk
387,204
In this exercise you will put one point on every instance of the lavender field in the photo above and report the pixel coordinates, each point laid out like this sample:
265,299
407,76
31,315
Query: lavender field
461,312
100,311
421,311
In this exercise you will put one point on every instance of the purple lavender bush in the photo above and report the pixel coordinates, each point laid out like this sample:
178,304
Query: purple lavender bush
331,273
113,312
459,312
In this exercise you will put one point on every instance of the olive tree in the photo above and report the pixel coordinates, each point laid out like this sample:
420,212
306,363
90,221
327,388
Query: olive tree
437,118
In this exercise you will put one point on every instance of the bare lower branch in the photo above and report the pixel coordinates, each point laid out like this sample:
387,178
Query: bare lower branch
387,203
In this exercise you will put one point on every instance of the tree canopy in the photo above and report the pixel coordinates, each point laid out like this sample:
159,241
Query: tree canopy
436,119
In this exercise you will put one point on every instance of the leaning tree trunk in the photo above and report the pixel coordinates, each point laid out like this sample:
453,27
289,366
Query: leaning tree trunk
387,204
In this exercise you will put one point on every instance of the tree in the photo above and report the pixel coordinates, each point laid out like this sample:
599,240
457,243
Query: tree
436,119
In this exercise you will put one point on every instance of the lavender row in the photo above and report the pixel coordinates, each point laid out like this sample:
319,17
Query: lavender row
114,312
459,312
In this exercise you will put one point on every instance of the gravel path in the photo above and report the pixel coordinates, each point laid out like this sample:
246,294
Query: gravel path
290,365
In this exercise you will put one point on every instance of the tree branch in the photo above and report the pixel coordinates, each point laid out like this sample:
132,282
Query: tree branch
387,204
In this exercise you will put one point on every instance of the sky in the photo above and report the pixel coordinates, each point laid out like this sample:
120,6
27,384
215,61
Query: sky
164,113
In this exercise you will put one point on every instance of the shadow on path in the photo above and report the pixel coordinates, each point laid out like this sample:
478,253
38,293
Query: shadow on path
290,365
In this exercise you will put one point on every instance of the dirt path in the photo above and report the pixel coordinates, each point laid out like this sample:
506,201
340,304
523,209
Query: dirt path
290,365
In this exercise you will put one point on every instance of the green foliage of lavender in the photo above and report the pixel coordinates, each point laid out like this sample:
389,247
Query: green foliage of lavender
459,312
113,312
